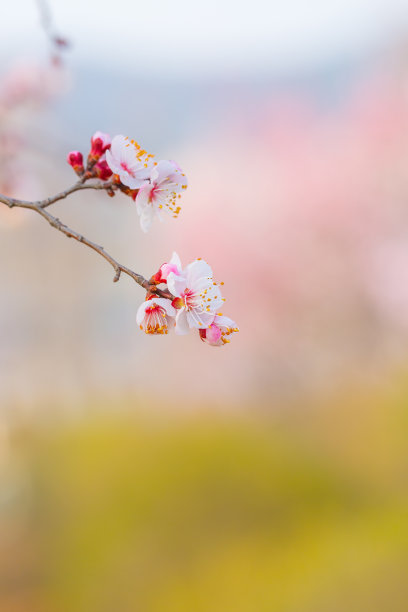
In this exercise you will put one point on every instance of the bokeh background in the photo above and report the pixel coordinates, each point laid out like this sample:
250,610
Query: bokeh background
160,474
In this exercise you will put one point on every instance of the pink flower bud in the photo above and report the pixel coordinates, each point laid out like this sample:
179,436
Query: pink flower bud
102,170
164,271
167,268
76,160
211,335
173,266
100,143
215,334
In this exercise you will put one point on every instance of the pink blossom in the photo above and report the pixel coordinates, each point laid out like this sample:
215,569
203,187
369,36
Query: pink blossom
154,316
131,163
215,333
198,297
161,194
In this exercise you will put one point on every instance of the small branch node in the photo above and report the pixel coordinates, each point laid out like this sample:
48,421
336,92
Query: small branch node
117,275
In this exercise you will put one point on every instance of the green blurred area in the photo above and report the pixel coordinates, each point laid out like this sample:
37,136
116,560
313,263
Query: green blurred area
303,512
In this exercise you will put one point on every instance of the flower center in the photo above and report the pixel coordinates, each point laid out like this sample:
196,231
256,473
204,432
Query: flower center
155,321
188,298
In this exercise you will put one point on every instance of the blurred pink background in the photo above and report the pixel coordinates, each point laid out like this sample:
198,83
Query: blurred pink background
160,474
297,196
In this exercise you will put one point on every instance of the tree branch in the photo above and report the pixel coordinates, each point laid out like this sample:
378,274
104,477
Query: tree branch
40,206
56,41
80,185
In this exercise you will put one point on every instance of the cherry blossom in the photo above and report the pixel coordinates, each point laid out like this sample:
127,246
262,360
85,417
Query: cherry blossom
161,193
197,296
220,327
190,298
154,315
129,161
196,300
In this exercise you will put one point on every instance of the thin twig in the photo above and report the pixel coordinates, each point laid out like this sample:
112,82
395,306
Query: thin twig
46,22
45,16
11,202
40,206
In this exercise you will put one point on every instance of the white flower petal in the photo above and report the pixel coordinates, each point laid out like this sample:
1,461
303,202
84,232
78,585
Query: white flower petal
134,182
199,319
141,311
176,284
175,259
118,143
143,197
146,218
166,304
111,161
164,170
198,269
182,327
225,322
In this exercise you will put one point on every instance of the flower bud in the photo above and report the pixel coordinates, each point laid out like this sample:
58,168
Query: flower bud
102,170
76,160
164,271
215,334
211,335
100,143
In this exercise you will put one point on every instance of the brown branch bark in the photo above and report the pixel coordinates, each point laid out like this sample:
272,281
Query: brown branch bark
79,186
40,208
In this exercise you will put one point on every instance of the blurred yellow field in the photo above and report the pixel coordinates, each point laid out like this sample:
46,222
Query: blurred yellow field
306,511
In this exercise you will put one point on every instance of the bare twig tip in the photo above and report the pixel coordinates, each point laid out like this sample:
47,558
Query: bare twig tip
117,275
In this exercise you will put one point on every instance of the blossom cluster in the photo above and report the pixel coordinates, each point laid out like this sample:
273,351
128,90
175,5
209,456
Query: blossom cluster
189,297
194,302
155,186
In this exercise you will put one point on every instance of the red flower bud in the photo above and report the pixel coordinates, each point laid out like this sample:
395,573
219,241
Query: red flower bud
157,278
76,160
100,143
102,170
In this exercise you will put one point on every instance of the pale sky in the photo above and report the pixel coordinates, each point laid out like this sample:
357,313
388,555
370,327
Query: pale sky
213,36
